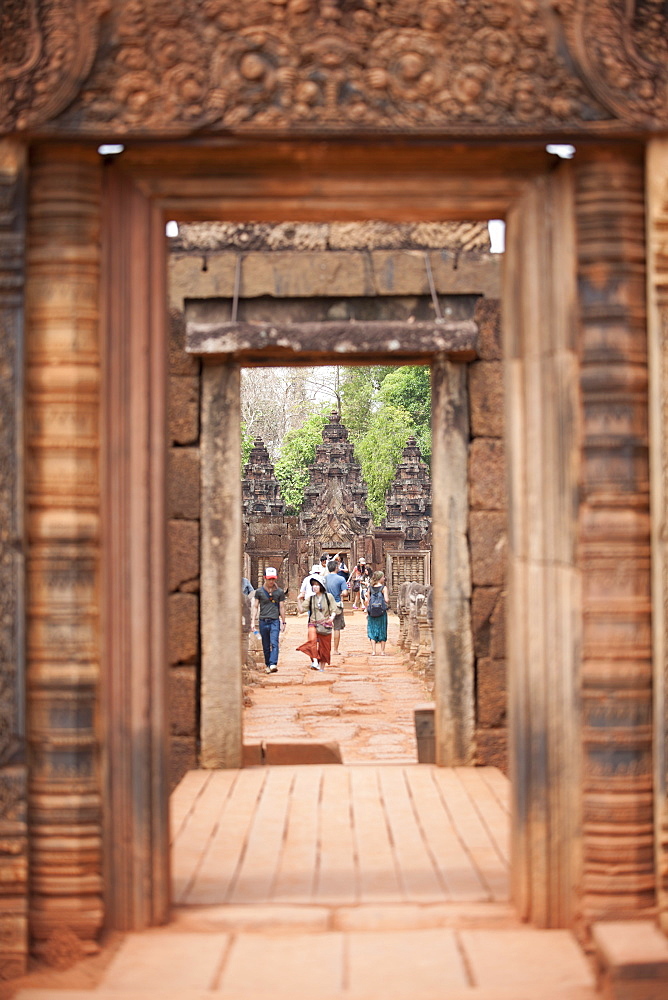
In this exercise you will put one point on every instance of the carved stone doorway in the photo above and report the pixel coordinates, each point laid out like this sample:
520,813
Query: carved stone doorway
259,182
221,729
567,488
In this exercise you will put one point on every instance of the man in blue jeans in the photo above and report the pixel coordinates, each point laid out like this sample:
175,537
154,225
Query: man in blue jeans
268,607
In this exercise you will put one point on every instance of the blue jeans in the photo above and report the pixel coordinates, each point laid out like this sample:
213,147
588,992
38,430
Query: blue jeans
270,629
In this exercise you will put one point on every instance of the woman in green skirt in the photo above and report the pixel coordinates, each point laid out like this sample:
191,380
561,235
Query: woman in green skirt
376,604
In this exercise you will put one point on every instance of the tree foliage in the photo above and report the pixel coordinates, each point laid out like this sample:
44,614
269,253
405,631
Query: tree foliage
297,453
274,401
409,389
380,405
359,391
246,446
379,453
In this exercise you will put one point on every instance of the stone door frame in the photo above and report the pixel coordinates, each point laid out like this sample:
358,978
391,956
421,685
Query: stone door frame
221,711
562,525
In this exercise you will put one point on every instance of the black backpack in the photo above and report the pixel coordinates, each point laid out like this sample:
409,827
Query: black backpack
377,603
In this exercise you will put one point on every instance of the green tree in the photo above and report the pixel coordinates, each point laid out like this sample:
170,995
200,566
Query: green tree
297,453
359,394
409,389
246,446
379,453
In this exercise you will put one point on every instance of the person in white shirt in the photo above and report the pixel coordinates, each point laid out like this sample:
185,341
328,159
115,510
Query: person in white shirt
306,591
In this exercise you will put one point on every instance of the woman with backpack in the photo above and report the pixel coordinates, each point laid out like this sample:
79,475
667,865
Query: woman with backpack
376,604
321,608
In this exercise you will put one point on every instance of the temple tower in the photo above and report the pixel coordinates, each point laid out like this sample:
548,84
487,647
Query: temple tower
409,498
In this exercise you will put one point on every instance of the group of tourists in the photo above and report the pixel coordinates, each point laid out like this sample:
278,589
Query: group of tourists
321,596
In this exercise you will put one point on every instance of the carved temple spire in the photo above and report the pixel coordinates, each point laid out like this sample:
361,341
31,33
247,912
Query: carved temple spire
260,489
409,496
335,480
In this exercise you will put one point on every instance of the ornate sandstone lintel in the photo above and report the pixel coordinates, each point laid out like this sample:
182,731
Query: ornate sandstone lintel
47,52
621,50
335,66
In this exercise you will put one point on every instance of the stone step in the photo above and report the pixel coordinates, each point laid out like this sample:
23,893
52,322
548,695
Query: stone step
535,991
315,919
631,959
471,963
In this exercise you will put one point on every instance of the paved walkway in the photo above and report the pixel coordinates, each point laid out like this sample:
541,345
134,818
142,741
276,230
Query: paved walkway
386,879
363,702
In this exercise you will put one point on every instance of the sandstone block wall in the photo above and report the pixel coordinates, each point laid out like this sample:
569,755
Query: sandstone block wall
487,536
266,280
184,555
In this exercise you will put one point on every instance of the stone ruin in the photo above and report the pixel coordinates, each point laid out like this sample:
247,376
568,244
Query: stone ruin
334,516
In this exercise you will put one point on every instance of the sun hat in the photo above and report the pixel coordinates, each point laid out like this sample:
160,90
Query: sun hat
270,573
362,560
316,570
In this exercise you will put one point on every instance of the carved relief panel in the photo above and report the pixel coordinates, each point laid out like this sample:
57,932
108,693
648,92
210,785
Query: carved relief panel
492,67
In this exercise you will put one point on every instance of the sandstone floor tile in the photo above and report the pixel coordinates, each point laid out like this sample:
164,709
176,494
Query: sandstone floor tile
166,960
270,917
298,965
515,958
405,963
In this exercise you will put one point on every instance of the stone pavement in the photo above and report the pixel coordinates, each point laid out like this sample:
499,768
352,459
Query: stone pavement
363,702
338,882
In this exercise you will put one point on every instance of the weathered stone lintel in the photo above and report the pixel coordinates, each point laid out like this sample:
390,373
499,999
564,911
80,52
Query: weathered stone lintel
327,273
354,342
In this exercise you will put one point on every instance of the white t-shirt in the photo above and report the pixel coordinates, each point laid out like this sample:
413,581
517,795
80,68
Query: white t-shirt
306,590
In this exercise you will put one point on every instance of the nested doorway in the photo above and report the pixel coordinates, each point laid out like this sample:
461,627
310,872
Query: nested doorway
406,182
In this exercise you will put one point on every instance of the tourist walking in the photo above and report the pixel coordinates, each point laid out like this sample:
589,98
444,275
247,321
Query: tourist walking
342,567
336,585
268,607
377,603
365,580
305,588
321,608
359,574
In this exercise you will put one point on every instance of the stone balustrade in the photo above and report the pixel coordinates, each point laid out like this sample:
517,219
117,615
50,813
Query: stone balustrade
416,641
416,629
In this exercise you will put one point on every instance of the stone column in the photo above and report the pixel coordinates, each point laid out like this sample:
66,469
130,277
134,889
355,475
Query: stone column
657,198
614,536
220,601
134,572
543,617
63,527
451,568
13,776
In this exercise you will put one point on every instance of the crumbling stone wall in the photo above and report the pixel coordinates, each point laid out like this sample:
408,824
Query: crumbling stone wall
183,506
487,535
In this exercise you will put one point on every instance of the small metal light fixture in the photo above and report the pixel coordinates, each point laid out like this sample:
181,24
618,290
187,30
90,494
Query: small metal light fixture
562,149
110,148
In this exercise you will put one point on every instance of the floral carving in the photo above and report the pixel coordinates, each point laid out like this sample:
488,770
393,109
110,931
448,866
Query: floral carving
169,68
621,48
48,49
